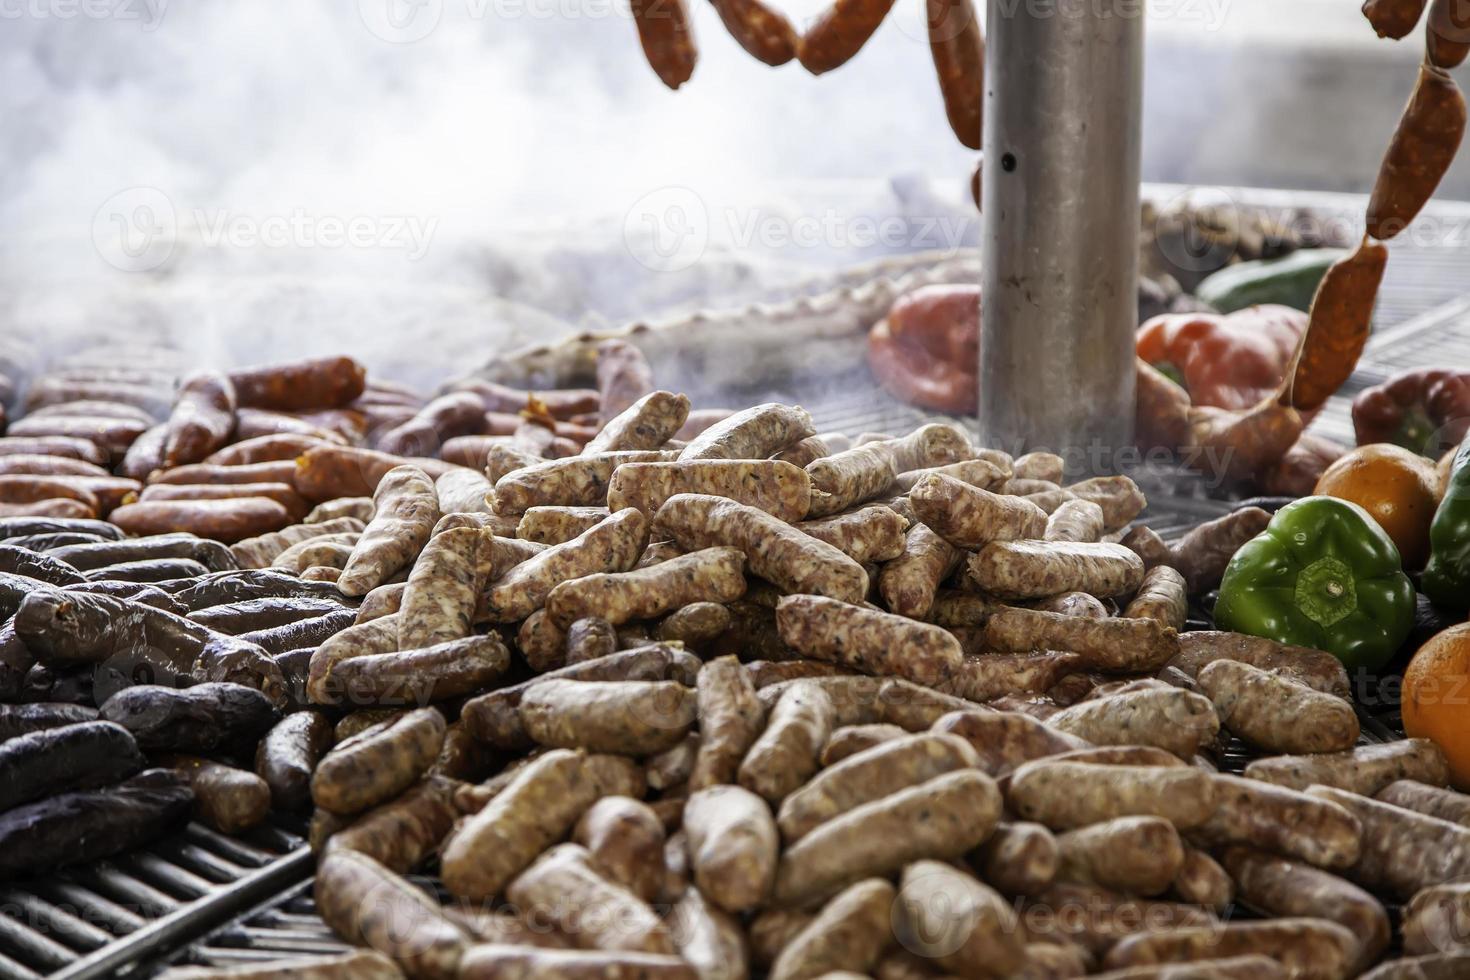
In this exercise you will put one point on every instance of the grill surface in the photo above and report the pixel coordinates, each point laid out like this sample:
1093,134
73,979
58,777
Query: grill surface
205,899
97,920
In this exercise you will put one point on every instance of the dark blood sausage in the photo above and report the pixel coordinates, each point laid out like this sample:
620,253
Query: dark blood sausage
301,633
82,826
1449,33
301,386
1393,18
202,420
840,33
45,568
147,593
235,618
16,527
47,685
1422,148
765,34
16,662
958,47
148,570
250,584
223,520
287,757
663,27
57,760
195,719
46,542
65,629
22,719
13,591
211,554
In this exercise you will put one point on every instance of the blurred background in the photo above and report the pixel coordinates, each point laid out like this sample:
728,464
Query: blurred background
271,179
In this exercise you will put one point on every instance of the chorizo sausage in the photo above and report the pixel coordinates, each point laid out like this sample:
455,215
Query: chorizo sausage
764,33
203,418
839,33
958,48
300,386
288,755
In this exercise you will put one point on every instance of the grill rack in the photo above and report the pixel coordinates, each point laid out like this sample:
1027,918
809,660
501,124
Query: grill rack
97,920
206,899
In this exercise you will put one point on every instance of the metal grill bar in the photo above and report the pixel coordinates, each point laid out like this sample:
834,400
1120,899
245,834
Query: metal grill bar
96,921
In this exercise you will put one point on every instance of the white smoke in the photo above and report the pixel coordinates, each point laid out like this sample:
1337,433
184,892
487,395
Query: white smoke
267,178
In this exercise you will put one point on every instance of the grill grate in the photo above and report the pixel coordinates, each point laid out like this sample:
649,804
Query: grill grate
93,921
249,899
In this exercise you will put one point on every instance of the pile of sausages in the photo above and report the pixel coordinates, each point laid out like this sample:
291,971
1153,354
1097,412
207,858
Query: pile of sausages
704,695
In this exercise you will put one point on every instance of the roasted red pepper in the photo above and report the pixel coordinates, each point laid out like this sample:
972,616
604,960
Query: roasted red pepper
927,350
1232,361
1427,411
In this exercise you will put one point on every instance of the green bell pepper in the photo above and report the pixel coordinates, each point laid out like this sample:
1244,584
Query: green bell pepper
1324,575
1447,576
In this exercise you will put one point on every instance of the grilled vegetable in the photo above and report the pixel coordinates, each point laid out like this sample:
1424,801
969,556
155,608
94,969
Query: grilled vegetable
1322,575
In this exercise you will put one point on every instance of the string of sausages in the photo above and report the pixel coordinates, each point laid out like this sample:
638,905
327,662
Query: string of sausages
1421,151
956,42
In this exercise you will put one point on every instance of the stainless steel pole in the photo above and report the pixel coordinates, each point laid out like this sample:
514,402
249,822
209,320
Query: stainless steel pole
1063,107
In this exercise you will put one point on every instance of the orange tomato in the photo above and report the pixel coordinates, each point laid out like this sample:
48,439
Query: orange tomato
1436,699
1400,489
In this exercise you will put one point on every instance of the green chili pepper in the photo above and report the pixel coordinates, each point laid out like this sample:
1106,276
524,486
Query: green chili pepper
1323,574
1447,576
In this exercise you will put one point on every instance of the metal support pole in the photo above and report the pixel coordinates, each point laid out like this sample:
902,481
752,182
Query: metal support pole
1063,106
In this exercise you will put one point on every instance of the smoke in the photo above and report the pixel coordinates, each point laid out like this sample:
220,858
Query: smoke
428,182
200,161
